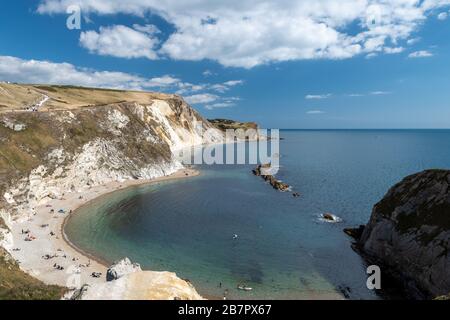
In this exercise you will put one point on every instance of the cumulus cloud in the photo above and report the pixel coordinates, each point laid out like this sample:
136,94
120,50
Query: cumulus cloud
442,16
38,71
412,41
247,33
420,54
187,88
121,41
208,73
233,83
223,87
394,50
219,105
164,81
201,98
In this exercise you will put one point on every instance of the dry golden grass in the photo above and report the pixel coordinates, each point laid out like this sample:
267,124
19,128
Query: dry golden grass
16,97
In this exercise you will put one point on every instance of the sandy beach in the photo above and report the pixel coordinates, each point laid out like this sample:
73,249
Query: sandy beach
42,249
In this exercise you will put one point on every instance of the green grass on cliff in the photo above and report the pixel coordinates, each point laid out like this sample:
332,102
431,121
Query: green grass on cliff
224,124
17,285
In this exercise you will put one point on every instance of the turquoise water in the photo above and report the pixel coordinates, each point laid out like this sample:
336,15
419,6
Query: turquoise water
283,250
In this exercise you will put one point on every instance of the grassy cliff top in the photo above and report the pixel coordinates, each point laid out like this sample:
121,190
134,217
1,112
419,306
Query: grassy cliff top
224,124
16,97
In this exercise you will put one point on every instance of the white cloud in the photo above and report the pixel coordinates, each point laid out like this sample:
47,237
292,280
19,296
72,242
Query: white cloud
317,96
247,33
315,112
442,16
164,81
371,55
233,83
413,41
220,88
395,50
201,98
224,87
188,88
121,41
380,93
208,73
354,95
147,28
219,105
420,54
38,71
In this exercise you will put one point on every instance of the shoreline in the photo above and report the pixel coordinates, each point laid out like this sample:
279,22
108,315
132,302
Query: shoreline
51,247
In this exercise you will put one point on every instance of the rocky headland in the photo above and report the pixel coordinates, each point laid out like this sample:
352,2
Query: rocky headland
263,171
408,234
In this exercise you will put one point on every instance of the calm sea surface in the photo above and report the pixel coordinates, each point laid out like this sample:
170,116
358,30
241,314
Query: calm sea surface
283,249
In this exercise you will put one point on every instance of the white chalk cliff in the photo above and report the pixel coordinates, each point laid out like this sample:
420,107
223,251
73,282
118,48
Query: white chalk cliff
62,151
126,141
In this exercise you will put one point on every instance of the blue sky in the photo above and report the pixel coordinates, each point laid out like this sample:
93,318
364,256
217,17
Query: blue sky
284,64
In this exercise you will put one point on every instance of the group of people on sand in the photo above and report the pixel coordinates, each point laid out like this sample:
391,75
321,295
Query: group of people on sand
29,236
49,256
60,253
74,259
58,267
87,265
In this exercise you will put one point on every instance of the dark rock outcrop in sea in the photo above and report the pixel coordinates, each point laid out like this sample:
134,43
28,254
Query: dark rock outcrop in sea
329,217
276,184
409,233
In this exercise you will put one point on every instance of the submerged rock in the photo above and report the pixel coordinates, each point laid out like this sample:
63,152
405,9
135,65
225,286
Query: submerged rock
409,232
121,268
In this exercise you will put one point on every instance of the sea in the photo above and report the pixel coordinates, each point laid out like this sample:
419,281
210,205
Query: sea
227,228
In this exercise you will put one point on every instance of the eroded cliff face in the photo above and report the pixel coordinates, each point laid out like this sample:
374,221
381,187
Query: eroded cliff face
44,155
409,231
81,139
